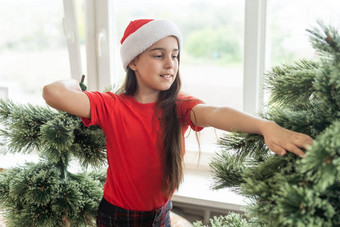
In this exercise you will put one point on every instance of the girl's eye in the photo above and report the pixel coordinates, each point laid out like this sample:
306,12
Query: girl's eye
175,56
158,56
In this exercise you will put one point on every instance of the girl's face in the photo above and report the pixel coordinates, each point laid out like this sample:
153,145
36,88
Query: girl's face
156,68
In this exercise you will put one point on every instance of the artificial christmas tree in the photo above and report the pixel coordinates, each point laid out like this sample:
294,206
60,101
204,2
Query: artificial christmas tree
47,193
289,190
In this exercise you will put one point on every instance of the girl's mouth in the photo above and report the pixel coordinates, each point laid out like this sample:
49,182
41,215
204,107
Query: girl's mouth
166,76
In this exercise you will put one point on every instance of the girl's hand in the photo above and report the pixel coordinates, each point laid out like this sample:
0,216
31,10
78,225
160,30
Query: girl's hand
280,140
66,95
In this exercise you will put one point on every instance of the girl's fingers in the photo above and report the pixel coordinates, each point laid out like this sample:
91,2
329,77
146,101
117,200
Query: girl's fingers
294,149
303,141
277,149
283,149
281,141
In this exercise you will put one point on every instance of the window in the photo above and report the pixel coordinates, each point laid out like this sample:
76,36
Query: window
287,43
33,49
33,53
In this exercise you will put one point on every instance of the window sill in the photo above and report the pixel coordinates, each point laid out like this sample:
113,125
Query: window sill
196,193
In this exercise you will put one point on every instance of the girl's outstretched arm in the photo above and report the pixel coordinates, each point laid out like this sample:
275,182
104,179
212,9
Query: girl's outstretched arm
66,95
278,139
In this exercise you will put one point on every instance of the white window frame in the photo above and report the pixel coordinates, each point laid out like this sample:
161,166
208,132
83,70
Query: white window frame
99,44
254,55
72,38
99,50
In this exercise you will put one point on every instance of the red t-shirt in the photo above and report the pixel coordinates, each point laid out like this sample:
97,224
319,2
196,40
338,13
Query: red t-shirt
131,129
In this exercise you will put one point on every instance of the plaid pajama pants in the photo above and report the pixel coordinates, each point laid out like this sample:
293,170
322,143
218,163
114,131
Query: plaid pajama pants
110,215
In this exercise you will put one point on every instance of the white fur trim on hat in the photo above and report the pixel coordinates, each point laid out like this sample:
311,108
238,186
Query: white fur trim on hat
145,36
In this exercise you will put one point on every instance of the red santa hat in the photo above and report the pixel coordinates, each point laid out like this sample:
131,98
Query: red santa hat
141,34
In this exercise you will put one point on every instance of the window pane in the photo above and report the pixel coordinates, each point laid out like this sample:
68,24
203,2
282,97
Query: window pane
212,59
287,24
33,49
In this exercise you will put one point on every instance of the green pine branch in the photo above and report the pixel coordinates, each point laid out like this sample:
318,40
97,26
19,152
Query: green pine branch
292,84
288,190
57,135
34,195
46,193
326,40
22,125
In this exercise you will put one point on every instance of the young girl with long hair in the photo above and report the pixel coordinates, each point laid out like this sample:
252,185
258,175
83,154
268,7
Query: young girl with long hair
144,125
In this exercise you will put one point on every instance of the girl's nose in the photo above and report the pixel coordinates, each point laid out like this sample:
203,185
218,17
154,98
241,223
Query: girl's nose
169,62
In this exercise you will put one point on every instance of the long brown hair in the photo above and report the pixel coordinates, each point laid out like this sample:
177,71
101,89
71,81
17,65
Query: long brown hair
171,130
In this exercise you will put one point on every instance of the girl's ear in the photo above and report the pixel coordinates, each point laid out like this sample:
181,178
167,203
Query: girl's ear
132,65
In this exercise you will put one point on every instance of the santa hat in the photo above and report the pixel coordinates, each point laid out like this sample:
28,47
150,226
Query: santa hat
141,34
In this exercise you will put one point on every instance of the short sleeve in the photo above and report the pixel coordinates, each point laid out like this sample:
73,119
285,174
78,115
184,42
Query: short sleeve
101,105
185,105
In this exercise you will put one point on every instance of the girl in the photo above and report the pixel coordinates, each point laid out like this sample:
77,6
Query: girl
144,124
